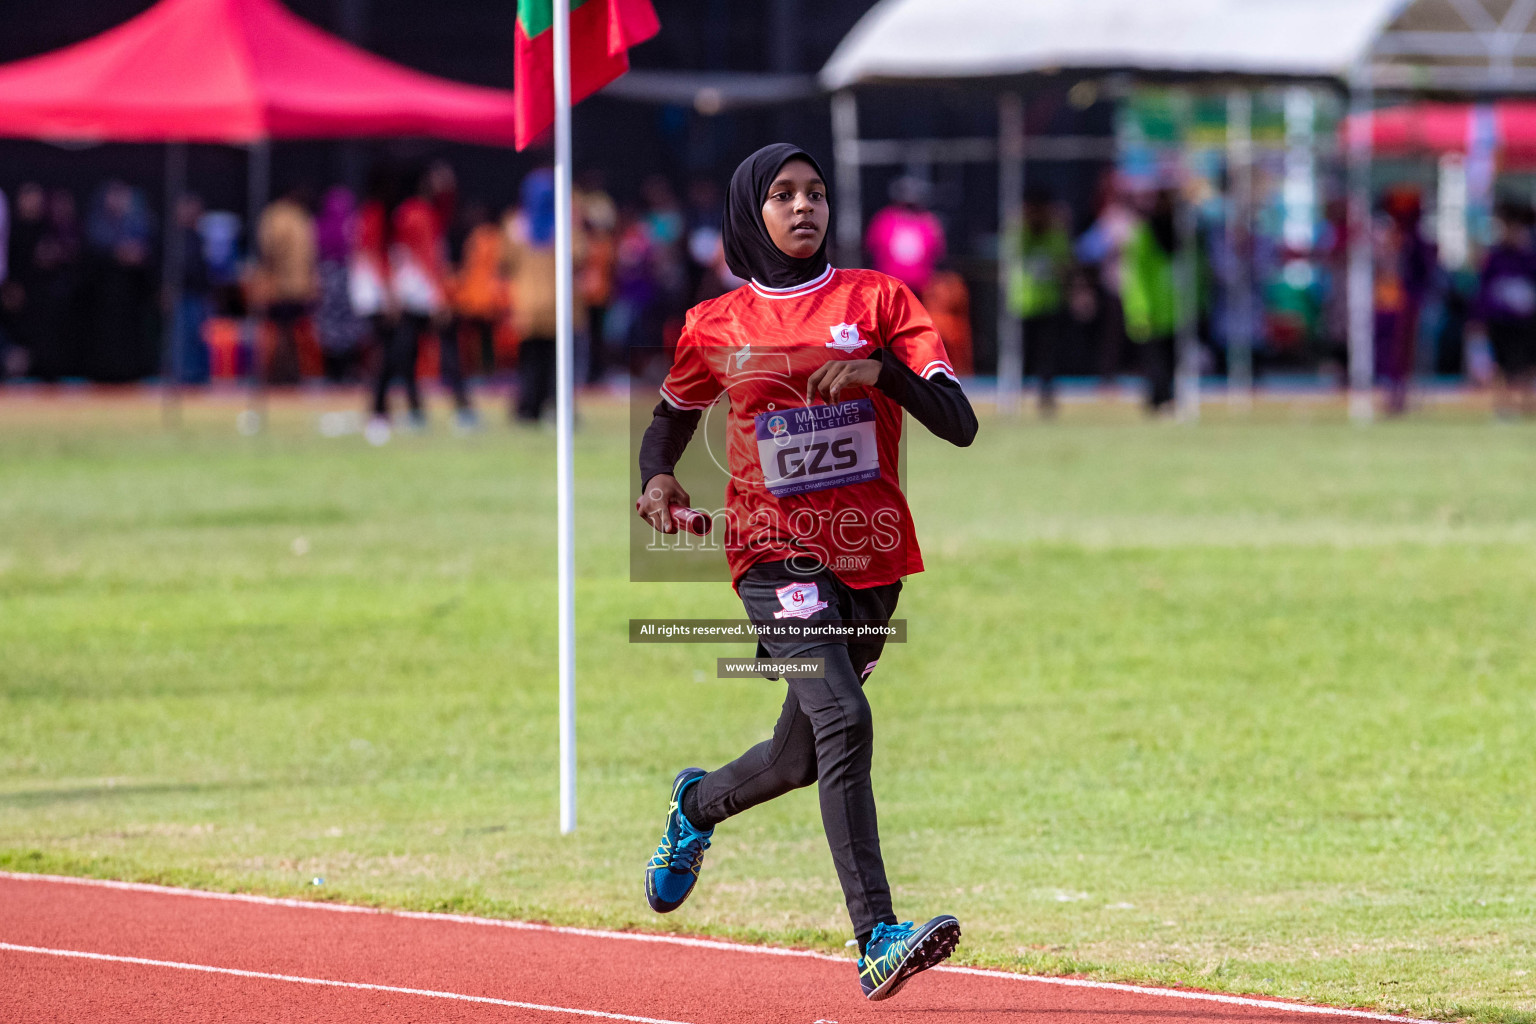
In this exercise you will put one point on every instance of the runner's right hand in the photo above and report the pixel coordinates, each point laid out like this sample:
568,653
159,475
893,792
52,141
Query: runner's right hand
662,491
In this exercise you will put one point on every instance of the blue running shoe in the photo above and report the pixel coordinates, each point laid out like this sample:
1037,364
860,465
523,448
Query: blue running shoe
673,871
898,951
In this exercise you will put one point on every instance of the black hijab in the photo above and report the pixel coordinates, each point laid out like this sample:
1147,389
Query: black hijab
749,249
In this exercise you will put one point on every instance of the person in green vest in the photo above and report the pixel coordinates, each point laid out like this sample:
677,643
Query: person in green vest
1150,298
1038,291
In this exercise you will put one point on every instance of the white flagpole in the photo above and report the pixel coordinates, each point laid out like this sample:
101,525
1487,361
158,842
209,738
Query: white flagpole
564,414
1362,352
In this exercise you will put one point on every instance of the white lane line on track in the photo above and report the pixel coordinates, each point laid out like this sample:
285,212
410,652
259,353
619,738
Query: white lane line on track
419,915
716,944
1174,993
327,983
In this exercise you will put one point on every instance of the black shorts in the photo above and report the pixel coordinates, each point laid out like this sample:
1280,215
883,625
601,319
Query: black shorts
771,591
1514,345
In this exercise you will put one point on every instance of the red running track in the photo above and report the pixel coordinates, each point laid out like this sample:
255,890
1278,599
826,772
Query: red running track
79,950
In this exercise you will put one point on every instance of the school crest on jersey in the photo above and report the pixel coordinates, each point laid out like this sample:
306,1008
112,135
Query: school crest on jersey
800,601
845,338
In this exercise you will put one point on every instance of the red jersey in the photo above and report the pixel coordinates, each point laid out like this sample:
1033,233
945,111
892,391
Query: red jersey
818,480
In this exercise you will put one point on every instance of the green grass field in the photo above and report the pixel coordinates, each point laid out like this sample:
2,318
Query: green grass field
1249,706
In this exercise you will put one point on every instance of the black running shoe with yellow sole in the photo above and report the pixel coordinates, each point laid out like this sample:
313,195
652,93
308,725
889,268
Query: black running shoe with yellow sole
898,951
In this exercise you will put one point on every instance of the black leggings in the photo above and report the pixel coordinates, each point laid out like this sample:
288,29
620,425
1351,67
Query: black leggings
401,343
400,362
825,735
536,378
450,366
1042,349
484,333
1158,358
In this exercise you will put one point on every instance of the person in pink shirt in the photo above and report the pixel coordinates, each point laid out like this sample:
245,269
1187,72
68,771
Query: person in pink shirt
905,240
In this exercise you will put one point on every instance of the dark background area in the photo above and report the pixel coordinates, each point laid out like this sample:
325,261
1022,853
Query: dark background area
472,41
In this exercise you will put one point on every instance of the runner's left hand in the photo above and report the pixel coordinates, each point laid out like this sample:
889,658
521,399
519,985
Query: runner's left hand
829,381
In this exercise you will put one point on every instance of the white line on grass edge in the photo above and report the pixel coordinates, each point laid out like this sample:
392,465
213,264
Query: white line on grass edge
75,954
678,940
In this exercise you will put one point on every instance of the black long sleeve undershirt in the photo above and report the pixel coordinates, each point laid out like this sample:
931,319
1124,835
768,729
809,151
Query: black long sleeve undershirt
665,439
938,403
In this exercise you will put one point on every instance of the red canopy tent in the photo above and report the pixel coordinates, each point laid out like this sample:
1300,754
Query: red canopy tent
236,71
1451,128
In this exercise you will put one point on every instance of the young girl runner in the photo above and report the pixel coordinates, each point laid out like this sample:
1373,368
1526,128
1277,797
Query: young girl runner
818,529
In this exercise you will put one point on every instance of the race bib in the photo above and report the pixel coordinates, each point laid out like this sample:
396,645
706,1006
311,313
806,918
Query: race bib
812,449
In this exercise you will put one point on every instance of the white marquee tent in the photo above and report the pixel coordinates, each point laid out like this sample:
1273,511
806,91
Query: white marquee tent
1399,46
907,39
1450,45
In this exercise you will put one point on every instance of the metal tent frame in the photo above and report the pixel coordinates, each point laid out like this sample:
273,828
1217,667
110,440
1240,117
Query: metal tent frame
1009,150
1373,48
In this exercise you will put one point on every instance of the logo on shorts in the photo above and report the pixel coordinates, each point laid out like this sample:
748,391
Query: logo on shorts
800,601
845,338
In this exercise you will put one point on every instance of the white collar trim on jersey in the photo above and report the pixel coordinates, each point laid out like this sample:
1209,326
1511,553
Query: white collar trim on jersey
799,289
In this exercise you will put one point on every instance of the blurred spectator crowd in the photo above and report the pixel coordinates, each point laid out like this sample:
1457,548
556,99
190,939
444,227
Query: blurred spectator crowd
409,280
404,281
1156,262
